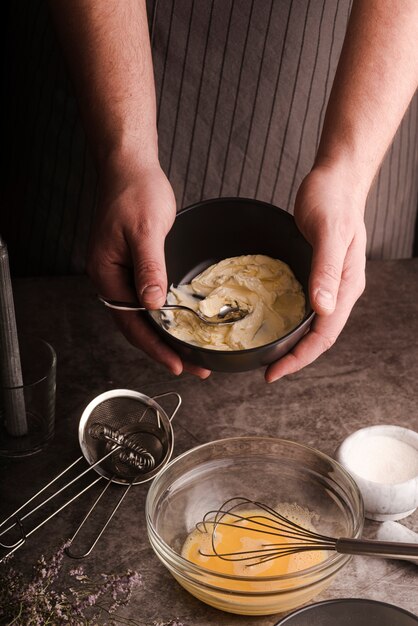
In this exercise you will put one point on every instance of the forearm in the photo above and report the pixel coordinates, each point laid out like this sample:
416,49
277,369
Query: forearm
376,78
108,51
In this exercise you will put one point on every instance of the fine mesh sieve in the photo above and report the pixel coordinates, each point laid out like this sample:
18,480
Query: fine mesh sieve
126,437
135,423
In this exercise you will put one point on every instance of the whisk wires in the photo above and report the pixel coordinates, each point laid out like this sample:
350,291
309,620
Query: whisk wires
242,513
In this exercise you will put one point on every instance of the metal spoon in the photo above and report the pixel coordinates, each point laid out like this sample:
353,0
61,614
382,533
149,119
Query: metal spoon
228,313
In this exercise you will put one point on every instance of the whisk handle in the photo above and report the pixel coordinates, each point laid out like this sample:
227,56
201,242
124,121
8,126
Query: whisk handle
388,549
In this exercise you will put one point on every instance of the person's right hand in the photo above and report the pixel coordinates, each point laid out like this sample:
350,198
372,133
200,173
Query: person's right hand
126,262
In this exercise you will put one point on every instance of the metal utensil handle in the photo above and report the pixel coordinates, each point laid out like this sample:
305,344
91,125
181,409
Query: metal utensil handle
119,305
68,551
17,543
170,393
47,519
56,493
20,519
14,514
388,549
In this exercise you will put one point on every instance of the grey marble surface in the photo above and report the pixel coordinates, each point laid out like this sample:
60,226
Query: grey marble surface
368,377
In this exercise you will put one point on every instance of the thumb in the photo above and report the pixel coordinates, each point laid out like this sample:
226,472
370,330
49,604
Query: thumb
326,271
149,268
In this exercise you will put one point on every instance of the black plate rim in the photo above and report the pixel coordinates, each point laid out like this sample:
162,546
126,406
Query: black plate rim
314,606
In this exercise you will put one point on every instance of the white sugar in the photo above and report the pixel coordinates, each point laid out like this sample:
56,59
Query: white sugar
383,459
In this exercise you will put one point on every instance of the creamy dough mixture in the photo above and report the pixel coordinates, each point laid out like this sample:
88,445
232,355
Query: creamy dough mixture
266,287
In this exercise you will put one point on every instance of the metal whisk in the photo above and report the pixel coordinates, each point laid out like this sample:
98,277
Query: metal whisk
291,537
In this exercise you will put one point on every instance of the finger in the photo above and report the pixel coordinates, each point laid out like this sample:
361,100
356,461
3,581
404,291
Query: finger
139,333
196,370
150,275
114,281
321,337
137,330
329,253
325,329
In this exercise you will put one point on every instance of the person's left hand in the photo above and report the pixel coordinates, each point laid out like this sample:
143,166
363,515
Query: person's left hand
329,212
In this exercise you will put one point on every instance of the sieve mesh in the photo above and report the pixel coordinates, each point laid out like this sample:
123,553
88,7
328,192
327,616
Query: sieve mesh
141,431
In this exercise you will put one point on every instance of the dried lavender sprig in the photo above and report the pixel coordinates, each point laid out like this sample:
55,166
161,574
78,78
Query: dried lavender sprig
37,603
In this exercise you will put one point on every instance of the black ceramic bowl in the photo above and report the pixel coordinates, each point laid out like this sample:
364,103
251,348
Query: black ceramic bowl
210,231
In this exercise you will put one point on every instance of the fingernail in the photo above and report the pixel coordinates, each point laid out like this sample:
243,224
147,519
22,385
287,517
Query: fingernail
325,299
152,292
152,296
272,380
176,369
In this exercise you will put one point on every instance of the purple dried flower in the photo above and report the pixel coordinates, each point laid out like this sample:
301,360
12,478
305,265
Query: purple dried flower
36,602
77,571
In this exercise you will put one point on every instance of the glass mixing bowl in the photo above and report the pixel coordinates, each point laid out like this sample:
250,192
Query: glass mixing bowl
269,470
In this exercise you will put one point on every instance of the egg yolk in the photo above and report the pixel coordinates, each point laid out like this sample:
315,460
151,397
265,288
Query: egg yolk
238,548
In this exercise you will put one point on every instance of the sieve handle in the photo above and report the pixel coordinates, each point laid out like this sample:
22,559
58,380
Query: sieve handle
170,393
24,513
388,549
14,546
68,551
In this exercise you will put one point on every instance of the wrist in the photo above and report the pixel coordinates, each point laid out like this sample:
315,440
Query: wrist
129,185
124,159
347,173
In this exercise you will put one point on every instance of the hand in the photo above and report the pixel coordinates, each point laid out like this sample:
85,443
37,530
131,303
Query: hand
126,253
329,212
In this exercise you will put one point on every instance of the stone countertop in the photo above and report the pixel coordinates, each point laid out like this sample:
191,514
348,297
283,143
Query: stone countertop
368,377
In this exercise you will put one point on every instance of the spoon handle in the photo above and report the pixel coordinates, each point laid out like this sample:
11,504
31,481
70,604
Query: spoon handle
121,306
135,306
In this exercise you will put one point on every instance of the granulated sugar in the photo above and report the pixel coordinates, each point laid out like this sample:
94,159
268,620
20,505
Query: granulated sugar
384,459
